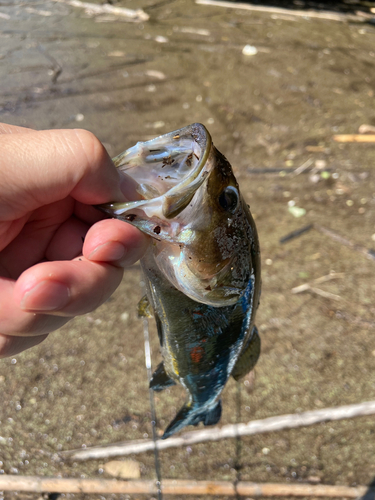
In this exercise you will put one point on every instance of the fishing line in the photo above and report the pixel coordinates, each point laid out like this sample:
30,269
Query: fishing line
152,407
237,464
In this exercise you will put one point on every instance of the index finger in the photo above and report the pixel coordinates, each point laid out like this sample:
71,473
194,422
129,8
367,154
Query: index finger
13,129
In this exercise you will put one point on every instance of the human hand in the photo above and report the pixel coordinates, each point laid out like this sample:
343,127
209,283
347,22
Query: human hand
59,257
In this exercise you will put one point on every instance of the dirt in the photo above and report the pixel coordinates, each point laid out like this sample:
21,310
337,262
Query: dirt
269,113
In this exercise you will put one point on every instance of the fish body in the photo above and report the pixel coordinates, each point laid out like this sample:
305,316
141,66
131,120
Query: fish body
202,269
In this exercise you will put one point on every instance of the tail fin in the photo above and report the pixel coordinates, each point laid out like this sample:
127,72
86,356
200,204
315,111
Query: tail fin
190,415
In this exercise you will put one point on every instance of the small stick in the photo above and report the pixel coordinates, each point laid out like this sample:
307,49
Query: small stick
296,233
368,252
56,68
331,16
317,291
303,167
354,138
270,424
177,487
137,16
308,287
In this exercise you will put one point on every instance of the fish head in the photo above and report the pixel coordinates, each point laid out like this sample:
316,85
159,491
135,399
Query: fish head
191,206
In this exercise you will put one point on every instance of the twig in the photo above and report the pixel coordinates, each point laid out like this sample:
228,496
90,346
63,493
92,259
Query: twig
273,170
270,424
368,252
56,68
317,291
303,167
296,233
354,138
309,287
177,487
331,16
137,16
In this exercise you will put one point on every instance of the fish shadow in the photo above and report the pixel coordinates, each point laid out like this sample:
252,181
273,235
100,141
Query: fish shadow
370,493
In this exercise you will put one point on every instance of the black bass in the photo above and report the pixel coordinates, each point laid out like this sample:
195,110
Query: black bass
202,270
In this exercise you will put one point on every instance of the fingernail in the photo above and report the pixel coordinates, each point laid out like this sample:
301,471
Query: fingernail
108,252
46,296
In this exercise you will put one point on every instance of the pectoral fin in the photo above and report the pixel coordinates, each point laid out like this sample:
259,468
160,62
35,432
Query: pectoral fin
160,380
248,357
144,308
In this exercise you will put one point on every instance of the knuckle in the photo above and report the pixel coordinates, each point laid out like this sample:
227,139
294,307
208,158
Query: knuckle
91,148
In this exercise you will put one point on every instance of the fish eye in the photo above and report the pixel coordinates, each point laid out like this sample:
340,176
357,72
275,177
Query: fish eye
229,199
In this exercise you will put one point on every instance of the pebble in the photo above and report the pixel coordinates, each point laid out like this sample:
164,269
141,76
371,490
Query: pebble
249,50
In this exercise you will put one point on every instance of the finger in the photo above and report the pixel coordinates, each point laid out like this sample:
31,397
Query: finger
13,129
10,346
114,241
18,252
66,288
15,321
50,165
67,241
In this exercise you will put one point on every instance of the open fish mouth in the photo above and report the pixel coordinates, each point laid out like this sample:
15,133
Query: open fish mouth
191,205
168,171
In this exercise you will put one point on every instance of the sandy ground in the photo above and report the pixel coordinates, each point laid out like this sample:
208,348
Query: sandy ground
269,113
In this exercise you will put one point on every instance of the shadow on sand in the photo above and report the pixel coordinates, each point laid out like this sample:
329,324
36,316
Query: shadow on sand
344,6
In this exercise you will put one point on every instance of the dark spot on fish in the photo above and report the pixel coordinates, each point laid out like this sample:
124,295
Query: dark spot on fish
188,159
153,150
157,229
208,288
197,157
130,217
168,160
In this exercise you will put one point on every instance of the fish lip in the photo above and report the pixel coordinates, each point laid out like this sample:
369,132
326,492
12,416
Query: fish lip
170,203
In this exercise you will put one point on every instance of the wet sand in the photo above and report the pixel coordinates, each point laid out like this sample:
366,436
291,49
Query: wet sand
269,113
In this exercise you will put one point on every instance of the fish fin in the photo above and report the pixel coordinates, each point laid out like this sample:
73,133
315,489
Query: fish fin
249,356
144,308
213,416
188,416
160,380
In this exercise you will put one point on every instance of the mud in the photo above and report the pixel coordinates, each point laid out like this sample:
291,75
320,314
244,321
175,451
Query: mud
269,113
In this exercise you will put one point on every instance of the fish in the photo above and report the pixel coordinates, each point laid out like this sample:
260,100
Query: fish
202,268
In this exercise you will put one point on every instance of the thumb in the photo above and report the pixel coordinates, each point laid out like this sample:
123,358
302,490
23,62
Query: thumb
39,168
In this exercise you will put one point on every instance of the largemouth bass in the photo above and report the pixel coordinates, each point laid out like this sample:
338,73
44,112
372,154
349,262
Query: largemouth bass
202,269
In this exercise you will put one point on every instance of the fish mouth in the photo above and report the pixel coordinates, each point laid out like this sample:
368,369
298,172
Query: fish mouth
168,170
